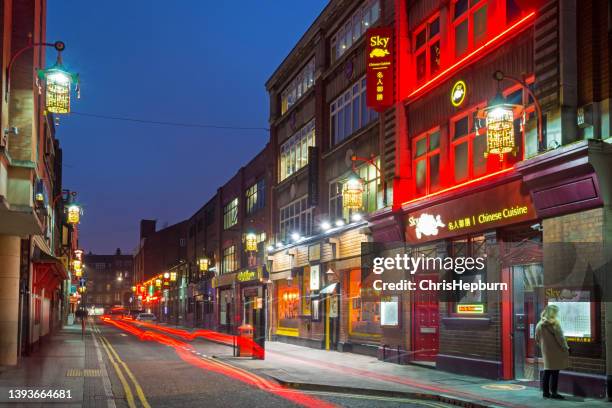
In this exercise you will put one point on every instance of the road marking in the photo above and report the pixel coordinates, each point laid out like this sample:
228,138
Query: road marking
139,391
108,389
379,398
126,387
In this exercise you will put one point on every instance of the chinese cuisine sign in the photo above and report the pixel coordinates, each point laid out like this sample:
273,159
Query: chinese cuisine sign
379,63
574,313
503,205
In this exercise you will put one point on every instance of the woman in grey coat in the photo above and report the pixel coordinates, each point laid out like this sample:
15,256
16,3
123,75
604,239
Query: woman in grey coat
554,350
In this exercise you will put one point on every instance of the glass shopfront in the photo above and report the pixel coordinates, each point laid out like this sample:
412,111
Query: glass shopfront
288,306
364,307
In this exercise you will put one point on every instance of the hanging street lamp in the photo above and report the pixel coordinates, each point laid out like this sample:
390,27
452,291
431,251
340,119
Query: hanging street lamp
204,264
498,116
58,82
352,193
74,214
251,242
500,126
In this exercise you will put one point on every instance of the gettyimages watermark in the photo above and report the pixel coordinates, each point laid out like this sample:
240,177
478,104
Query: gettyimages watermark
473,269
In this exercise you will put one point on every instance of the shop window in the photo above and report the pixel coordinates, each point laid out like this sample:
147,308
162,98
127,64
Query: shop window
354,27
294,152
230,214
469,24
467,301
468,147
364,307
256,197
372,192
349,112
288,306
229,263
296,217
302,82
427,48
426,150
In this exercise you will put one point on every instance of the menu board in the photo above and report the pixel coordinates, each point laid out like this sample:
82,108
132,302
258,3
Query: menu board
574,314
389,311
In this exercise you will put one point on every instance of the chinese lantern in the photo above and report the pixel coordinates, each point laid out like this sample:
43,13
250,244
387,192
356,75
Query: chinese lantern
500,127
204,264
158,282
74,214
352,193
58,82
251,242
172,276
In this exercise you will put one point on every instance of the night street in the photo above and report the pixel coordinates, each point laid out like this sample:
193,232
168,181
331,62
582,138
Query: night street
306,203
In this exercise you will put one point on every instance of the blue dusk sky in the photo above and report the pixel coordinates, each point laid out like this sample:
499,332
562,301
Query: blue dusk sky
185,61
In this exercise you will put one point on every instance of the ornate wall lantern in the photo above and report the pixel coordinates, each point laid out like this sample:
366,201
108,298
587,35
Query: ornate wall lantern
74,214
500,126
204,264
173,276
251,242
58,82
352,193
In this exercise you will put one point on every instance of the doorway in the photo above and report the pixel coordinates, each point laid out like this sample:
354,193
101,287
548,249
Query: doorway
425,331
528,301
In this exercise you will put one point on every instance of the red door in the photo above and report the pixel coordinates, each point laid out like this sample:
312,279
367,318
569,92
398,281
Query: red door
425,321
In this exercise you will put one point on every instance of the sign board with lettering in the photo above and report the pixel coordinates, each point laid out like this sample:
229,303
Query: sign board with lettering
379,68
506,204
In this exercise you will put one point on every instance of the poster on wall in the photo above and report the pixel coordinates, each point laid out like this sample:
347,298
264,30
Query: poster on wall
575,314
389,311
315,283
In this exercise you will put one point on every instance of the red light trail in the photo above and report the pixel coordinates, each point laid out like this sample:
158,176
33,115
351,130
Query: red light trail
187,353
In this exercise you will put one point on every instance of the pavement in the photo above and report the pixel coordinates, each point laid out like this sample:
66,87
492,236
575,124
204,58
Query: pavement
68,365
314,369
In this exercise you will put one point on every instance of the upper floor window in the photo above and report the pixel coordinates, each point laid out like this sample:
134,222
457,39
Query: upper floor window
372,193
229,262
230,214
426,148
468,147
427,48
469,24
255,197
296,217
349,112
294,152
298,86
355,26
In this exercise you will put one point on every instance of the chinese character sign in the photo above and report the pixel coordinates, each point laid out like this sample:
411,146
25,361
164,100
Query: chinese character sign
379,63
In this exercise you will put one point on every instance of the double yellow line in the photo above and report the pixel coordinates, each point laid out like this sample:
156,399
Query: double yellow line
117,364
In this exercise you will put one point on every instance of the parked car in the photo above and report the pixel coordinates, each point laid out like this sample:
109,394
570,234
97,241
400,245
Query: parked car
146,317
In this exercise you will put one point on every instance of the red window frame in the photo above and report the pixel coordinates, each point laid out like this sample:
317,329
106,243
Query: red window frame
425,157
425,48
467,138
473,7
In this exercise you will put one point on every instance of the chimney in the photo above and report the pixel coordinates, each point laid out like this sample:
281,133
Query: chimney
118,251
147,227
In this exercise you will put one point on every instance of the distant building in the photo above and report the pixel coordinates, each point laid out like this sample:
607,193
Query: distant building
109,280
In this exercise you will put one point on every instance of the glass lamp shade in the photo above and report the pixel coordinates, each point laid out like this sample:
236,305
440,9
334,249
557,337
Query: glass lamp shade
251,242
74,214
352,194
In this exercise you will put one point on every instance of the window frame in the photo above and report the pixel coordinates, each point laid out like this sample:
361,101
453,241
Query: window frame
426,47
469,16
467,138
291,220
230,210
255,197
345,103
356,18
229,261
425,157
452,309
299,85
288,150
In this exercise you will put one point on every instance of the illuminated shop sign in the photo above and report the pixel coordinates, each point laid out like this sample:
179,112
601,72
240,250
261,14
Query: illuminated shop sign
246,276
492,208
575,313
458,93
379,63
464,308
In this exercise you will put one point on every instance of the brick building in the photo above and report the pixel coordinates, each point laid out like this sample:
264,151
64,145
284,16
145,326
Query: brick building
319,120
34,286
109,280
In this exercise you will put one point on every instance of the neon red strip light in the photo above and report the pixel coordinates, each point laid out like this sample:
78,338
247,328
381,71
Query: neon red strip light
458,186
516,26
